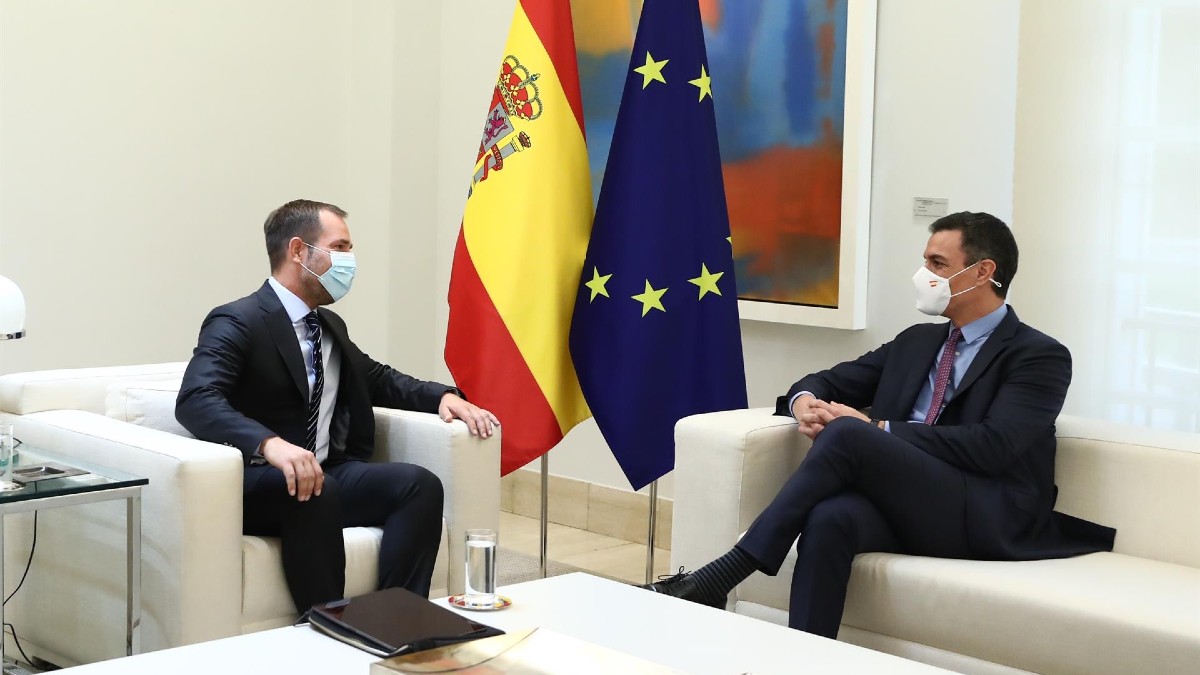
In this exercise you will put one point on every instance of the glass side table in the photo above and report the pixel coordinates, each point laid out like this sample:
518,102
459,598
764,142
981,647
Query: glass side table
94,483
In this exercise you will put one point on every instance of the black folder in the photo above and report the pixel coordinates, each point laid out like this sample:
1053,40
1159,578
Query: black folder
394,621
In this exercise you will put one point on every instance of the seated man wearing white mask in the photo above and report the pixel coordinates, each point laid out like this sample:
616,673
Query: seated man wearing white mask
275,375
956,460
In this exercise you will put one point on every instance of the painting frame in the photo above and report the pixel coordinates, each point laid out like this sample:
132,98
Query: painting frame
857,142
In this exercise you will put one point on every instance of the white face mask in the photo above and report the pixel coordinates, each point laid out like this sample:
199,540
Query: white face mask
933,292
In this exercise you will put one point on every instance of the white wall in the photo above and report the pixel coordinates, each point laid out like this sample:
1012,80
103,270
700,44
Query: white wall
143,143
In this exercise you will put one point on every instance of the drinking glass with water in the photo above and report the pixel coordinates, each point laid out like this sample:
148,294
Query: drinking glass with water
481,568
7,442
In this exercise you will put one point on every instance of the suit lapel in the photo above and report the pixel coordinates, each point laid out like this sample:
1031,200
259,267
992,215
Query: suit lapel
347,426
335,329
284,336
329,327
994,345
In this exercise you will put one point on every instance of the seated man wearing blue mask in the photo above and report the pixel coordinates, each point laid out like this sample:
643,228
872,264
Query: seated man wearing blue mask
275,375
956,460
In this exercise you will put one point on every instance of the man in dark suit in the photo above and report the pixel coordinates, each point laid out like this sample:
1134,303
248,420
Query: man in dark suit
276,376
956,460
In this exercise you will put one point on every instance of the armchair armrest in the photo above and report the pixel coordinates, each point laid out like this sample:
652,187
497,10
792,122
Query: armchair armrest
728,467
191,542
468,466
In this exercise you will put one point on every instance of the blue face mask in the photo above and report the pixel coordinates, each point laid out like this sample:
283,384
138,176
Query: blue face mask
340,275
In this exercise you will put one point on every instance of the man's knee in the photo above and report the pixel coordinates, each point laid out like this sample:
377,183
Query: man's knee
841,436
429,484
325,507
847,429
830,520
419,482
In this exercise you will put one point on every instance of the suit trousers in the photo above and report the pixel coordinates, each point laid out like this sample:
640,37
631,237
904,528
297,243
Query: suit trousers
404,499
859,489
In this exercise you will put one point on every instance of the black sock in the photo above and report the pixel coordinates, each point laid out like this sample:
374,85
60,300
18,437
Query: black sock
718,577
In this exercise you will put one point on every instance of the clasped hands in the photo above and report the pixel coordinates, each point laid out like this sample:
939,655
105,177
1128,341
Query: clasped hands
303,472
812,414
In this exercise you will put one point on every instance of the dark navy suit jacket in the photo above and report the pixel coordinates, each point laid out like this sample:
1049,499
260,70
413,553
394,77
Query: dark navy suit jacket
246,382
998,429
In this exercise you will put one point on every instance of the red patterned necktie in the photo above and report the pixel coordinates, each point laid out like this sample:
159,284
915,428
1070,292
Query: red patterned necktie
943,376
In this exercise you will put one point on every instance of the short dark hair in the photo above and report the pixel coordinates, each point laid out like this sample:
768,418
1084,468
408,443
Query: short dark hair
984,237
297,218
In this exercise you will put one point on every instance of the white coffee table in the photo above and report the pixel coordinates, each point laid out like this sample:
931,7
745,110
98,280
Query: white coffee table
295,650
681,635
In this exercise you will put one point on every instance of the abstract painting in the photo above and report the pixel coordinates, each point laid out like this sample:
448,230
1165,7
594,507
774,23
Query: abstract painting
793,83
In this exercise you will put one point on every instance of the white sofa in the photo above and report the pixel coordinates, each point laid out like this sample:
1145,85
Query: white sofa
201,578
1135,610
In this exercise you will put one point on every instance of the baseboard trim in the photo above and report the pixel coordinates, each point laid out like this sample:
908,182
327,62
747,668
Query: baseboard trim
587,506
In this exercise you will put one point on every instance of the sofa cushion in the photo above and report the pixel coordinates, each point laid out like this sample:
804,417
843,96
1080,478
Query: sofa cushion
266,602
149,403
1100,613
75,388
1143,482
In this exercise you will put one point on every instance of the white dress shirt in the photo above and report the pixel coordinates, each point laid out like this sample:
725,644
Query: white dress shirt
331,359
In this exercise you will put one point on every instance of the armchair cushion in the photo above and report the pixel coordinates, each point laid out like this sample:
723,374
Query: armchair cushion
266,602
147,403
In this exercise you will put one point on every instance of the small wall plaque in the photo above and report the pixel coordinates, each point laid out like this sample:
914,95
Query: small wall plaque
931,207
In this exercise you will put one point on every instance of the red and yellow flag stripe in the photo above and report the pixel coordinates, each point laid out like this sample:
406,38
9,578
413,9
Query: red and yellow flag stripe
524,235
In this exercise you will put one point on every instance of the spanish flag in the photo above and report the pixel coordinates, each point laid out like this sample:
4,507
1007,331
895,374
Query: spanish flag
524,234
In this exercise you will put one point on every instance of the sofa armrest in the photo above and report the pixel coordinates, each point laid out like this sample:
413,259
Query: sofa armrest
468,466
74,600
728,467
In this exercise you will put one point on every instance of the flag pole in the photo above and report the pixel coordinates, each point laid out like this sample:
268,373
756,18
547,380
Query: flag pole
545,512
650,536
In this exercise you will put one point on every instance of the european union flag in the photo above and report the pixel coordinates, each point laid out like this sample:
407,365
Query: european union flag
655,334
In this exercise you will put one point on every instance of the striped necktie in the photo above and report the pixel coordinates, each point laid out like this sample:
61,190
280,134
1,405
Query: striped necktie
943,376
314,401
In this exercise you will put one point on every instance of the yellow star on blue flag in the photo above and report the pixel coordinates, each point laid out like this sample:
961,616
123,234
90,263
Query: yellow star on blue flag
707,281
596,285
703,83
651,71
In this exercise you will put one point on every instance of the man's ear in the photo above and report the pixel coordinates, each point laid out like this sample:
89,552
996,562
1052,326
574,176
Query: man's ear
296,249
987,270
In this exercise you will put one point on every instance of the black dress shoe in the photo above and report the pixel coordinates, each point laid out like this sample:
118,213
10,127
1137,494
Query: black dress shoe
682,585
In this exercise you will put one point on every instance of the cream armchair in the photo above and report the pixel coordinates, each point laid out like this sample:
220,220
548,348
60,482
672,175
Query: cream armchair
1136,609
201,578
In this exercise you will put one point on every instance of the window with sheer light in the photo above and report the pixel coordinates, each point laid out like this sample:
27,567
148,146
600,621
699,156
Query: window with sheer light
1107,201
